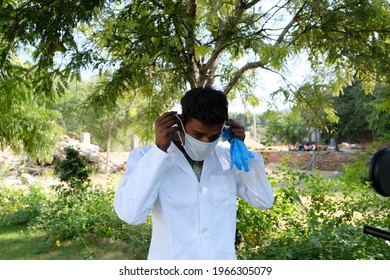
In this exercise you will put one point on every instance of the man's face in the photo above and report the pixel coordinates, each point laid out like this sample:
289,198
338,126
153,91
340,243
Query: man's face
203,132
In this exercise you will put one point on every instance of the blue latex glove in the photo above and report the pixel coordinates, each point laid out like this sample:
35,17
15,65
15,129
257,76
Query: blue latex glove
239,154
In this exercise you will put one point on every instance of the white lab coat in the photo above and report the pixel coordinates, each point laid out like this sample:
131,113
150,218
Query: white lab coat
190,219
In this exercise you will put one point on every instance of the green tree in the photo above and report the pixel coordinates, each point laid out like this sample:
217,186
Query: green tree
200,41
161,48
314,100
108,119
379,117
85,109
27,122
70,105
74,171
360,117
288,127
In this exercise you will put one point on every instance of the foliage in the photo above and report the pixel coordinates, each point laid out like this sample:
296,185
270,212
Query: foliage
73,217
46,26
357,173
21,207
109,123
74,171
70,105
329,23
314,218
84,109
360,118
200,41
91,213
287,127
157,49
27,122
313,102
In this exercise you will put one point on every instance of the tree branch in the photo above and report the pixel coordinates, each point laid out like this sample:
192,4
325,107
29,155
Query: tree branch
250,4
262,64
240,72
289,25
210,67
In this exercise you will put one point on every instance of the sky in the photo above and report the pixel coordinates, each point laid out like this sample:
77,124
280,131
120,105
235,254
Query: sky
296,72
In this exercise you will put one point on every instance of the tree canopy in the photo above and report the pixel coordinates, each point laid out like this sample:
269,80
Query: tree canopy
158,49
360,120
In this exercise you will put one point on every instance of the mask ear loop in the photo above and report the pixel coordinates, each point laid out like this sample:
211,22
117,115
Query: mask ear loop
181,140
223,126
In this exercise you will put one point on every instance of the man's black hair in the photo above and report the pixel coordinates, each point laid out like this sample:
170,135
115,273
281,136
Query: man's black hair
205,104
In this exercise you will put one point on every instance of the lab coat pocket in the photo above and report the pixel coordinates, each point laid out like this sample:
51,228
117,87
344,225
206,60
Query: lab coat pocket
223,190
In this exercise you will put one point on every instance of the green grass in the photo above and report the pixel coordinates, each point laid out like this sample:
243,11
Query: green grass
17,243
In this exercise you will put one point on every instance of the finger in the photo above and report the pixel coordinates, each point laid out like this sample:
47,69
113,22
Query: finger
236,130
167,114
233,123
238,133
170,113
169,121
229,122
166,131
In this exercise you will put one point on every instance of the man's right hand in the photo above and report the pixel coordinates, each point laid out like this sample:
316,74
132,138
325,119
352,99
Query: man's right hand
165,126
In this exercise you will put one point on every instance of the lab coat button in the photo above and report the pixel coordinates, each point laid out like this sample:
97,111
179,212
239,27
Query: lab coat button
203,230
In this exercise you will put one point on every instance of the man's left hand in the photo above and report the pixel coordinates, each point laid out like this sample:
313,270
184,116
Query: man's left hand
236,130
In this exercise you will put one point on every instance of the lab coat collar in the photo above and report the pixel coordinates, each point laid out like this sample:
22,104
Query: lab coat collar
180,160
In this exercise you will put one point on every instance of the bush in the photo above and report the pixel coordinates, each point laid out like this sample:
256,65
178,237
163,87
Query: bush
91,213
313,218
18,206
75,211
74,171
357,173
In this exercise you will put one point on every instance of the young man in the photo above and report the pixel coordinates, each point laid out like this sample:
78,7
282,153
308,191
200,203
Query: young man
185,180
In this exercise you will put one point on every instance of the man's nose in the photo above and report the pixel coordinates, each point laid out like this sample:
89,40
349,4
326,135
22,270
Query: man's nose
205,139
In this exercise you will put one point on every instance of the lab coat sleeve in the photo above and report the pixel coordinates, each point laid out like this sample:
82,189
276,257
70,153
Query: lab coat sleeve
138,189
253,186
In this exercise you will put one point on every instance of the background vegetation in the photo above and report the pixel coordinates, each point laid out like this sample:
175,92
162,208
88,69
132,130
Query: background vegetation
312,218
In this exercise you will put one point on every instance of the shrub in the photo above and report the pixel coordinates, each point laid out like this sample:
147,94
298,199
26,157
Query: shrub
78,216
18,206
314,218
74,171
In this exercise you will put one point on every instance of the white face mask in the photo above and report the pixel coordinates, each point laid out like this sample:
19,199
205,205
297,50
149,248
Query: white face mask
196,149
